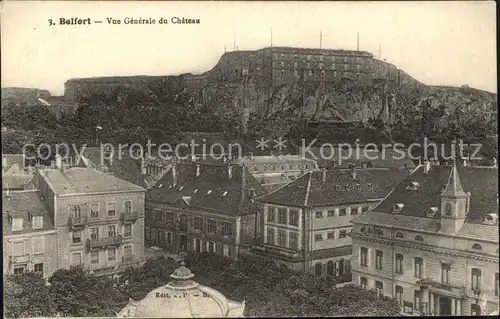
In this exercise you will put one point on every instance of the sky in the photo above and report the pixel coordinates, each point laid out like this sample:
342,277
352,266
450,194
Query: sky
438,43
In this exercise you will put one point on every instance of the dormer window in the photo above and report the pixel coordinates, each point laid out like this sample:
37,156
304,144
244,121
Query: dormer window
397,208
337,188
17,224
379,233
224,194
209,192
419,238
491,219
477,247
363,229
37,222
432,212
195,190
399,235
413,186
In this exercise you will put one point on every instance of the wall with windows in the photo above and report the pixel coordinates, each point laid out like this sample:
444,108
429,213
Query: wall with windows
282,227
30,252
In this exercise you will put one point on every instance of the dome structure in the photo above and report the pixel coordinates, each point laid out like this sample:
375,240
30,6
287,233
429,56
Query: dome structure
183,298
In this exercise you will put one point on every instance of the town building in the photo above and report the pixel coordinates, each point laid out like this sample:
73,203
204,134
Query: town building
305,224
277,170
433,242
183,298
29,235
12,163
99,218
203,208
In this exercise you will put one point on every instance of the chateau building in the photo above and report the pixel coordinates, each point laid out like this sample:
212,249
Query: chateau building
305,224
203,208
433,242
29,236
98,218
183,298
275,171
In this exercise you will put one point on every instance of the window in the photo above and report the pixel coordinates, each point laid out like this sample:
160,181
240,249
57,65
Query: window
378,259
477,247
128,206
363,283
342,233
282,215
127,232
111,209
169,217
379,286
94,210
418,265
270,236
38,245
94,256
77,236
282,238
399,235
198,223
94,233
399,263
37,222
111,254
475,310
76,211
169,237
211,247
111,231
19,270
354,211
127,251
419,238
17,224
445,273
330,235
319,214
318,237
197,245
331,213
476,279
294,218
271,215
211,225
342,211
496,284
225,250
379,233
76,259
226,229
363,256
399,294
318,269
38,268
330,269
183,223
294,240
418,300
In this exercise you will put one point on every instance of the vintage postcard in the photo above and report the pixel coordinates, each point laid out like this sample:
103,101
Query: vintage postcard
249,159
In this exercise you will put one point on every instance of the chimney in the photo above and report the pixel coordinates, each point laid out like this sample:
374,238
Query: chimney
353,172
230,171
323,174
427,167
174,175
59,163
197,170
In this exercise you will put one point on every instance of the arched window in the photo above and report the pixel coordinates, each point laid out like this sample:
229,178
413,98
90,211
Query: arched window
318,268
330,269
399,235
419,238
477,247
363,229
379,233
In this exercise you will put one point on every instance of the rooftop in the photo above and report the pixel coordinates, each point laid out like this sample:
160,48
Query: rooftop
10,159
338,187
274,159
17,181
22,204
212,190
82,180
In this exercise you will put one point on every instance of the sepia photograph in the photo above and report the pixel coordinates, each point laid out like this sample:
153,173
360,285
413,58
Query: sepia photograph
230,159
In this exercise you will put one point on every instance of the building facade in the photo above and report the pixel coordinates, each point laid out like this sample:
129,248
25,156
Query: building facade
98,218
29,236
305,224
433,243
203,208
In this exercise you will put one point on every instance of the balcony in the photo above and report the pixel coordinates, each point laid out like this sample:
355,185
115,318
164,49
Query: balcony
103,243
75,222
129,216
21,259
443,288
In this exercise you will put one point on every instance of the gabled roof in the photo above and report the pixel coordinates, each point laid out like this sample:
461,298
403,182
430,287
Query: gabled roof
212,190
22,204
10,159
81,180
18,181
339,187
